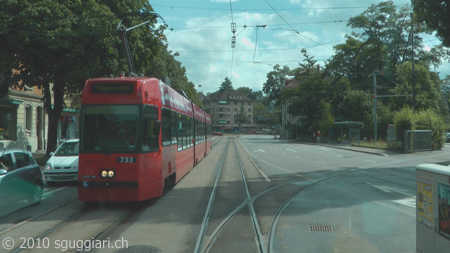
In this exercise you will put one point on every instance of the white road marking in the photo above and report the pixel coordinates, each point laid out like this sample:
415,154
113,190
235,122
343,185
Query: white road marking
389,189
411,202
256,166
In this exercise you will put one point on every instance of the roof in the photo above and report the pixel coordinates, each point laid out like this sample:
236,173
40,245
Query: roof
231,95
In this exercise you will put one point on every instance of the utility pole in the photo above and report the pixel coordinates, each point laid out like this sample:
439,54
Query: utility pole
375,106
413,81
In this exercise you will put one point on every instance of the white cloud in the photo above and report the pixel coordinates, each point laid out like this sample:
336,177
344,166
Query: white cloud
203,39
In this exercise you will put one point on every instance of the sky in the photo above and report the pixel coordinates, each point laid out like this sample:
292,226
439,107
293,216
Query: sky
267,32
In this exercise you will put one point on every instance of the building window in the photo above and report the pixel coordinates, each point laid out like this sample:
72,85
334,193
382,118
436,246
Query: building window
235,109
249,110
28,117
242,103
235,103
228,109
249,116
8,126
249,103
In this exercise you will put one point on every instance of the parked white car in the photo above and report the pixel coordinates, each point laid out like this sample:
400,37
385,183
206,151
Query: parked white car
63,164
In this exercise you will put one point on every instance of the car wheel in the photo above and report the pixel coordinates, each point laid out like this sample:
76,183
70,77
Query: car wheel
36,194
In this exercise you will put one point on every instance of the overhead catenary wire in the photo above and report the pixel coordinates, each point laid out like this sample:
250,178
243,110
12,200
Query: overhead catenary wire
293,29
290,9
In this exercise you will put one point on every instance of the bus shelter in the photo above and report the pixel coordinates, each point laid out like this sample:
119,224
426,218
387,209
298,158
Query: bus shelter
345,131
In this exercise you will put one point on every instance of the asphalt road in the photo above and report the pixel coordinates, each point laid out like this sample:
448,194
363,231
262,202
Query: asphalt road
329,200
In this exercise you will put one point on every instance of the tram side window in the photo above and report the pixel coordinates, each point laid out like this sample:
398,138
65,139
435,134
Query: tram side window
182,133
150,137
196,137
166,127
208,130
191,131
175,120
185,131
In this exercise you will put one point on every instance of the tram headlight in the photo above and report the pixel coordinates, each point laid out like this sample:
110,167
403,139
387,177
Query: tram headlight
107,173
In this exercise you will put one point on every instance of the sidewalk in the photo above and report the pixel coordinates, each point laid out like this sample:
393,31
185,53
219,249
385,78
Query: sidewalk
372,151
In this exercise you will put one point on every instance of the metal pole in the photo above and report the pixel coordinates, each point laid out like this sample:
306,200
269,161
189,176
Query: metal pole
375,106
413,71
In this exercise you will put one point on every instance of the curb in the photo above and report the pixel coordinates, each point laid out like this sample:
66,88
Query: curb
357,150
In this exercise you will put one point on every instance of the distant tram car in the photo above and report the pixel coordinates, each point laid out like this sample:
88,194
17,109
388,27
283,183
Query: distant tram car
138,138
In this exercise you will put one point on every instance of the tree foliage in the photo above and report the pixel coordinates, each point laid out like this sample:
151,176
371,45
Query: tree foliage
381,41
427,88
435,14
407,119
275,81
226,85
65,42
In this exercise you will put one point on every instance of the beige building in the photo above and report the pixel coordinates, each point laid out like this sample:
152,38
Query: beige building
23,122
225,108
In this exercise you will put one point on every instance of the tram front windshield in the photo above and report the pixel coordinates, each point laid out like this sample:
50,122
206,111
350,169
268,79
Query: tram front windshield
110,128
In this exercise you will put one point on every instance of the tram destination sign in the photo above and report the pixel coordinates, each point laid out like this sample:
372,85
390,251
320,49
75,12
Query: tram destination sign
112,88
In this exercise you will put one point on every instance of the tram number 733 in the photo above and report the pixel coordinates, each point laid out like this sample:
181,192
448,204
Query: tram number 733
126,159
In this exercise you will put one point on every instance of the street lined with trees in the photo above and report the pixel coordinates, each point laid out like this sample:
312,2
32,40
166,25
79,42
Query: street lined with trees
57,44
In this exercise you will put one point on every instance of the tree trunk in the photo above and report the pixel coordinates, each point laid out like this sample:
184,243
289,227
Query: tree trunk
54,112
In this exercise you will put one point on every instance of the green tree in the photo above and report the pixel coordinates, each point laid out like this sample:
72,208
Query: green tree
381,41
435,13
241,117
65,42
427,88
356,105
246,91
407,119
275,82
309,98
226,85
258,111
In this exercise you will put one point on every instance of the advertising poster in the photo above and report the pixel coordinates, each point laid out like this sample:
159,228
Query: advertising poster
444,210
425,201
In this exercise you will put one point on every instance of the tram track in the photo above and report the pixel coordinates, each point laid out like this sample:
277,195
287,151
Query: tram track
89,224
6,230
263,228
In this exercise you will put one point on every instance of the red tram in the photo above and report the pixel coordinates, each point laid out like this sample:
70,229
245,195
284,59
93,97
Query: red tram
138,138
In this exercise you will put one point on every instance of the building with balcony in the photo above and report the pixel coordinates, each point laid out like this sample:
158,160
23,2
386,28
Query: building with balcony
230,112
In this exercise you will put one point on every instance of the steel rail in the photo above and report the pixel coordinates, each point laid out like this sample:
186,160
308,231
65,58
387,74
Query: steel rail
205,222
259,236
6,230
60,225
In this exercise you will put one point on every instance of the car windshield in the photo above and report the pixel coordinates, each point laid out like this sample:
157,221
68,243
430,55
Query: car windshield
110,127
68,149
